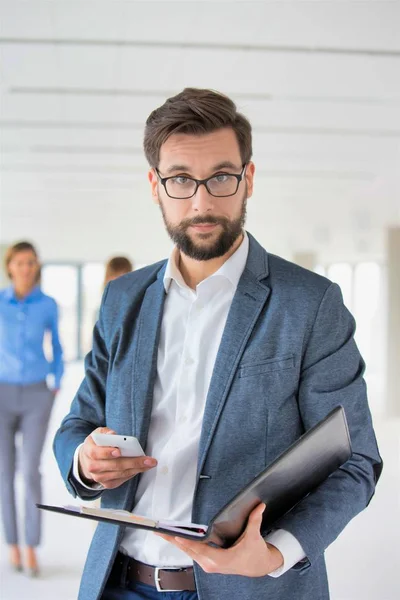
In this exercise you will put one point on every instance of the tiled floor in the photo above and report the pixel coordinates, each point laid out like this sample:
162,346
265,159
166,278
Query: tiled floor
363,563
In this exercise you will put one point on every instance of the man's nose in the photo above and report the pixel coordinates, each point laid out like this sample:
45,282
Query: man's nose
202,201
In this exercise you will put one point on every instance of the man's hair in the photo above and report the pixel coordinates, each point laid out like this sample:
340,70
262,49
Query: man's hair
195,111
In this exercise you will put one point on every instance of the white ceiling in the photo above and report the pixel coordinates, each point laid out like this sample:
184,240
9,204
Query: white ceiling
320,82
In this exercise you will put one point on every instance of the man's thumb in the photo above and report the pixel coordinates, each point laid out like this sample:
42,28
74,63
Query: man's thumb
255,518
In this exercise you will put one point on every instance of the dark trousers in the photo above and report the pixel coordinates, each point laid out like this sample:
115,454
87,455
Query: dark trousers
122,587
141,591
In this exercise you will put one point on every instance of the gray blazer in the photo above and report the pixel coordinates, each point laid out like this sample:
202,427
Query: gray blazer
286,359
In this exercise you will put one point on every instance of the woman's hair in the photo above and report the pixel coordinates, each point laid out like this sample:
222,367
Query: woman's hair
118,265
195,111
13,250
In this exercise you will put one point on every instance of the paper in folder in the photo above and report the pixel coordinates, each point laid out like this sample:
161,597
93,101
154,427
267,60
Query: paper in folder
285,482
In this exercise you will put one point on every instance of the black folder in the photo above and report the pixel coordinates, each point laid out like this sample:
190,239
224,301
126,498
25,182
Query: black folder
291,477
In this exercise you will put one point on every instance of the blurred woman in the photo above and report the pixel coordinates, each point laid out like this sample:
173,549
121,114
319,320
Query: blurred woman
26,313
117,266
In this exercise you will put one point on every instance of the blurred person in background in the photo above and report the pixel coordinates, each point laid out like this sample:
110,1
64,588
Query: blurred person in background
117,266
26,314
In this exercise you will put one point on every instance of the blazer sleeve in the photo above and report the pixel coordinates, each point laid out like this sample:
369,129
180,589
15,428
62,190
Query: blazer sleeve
332,374
87,410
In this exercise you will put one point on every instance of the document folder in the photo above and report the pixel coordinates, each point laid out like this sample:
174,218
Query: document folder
298,471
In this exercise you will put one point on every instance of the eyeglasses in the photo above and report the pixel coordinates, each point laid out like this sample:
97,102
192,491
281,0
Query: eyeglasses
221,185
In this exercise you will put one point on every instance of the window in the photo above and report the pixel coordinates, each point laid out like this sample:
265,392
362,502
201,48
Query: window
77,289
61,282
92,290
364,293
342,274
369,311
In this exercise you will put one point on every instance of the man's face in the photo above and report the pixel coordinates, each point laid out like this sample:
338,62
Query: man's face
204,226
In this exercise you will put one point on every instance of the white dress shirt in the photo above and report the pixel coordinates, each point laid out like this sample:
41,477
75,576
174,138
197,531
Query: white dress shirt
191,330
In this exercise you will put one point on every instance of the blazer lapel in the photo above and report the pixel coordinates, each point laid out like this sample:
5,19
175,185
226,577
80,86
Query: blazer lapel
145,358
247,304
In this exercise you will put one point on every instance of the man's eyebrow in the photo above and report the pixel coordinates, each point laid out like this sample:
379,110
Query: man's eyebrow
226,164
173,168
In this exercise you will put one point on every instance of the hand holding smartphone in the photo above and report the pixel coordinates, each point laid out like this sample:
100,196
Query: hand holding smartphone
96,461
127,444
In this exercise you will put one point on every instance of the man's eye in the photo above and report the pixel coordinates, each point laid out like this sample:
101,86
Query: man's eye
222,178
180,180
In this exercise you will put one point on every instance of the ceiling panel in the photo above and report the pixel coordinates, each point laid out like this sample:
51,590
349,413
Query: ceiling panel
329,24
318,81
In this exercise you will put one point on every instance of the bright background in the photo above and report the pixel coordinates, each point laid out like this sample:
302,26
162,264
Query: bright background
320,83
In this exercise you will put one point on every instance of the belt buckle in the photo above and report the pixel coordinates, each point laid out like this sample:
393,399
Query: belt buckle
157,578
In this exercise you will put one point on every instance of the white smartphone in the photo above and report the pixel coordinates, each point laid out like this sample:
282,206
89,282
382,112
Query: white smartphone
129,445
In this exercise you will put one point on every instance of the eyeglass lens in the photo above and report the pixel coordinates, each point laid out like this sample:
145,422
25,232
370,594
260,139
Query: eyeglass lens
184,187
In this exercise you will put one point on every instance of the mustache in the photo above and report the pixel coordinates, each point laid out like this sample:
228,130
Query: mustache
203,220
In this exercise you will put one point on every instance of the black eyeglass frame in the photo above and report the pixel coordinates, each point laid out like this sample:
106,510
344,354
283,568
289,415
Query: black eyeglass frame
199,182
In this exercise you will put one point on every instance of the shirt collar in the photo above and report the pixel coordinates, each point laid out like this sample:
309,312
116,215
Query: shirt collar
231,270
31,297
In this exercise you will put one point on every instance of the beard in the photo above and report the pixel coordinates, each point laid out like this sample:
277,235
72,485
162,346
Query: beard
231,230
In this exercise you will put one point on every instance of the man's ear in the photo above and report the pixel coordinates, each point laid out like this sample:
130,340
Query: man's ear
153,180
250,170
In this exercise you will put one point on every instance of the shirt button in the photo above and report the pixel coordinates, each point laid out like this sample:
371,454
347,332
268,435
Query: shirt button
164,470
189,361
21,316
182,419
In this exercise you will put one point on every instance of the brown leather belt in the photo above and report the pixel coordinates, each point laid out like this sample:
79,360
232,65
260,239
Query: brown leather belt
163,579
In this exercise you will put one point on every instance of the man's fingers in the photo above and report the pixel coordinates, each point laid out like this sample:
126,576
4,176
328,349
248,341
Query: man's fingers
199,549
256,514
104,476
193,555
253,524
114,479
95,452
192,550
103,430
104,464
255,520
92,450
207,557
119,465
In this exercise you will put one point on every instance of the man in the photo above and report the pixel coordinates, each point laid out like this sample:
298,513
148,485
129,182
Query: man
217,360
